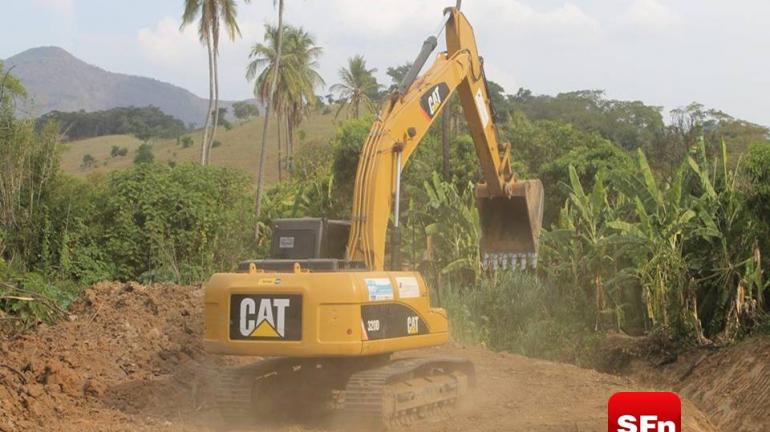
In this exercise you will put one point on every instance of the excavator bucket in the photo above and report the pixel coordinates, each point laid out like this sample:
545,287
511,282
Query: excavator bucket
510,226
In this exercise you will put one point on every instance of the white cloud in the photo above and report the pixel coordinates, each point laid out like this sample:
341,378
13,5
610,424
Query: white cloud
504,77
59,5
166,45
384,17
64,8
652,15
180,57
567,16
553,46
567,22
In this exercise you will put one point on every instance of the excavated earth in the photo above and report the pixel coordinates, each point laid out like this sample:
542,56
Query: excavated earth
129,358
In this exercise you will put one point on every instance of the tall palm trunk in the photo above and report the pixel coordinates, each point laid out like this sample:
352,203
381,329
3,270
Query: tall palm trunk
279,115
263,150
207,125
216,107
289,143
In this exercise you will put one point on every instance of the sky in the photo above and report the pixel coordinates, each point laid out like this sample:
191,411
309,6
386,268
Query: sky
663,52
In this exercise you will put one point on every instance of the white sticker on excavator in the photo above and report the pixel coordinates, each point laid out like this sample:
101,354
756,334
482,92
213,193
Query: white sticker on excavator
481,106
408,287
379,289
286,243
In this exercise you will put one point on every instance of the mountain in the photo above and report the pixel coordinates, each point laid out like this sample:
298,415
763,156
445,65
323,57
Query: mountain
58,81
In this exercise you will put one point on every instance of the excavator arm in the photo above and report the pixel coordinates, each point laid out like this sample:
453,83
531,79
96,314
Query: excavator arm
510,210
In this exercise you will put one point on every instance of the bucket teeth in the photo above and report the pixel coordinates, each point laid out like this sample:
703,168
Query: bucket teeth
513,261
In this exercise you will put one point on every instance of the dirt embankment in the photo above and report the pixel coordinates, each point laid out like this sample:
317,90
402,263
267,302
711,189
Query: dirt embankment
731,384
130,359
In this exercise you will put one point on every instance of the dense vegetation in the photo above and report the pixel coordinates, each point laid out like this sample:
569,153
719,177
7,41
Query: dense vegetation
638,241
673,246
144,123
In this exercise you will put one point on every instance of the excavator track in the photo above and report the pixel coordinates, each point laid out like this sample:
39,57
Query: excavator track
236,387
378,394
405,392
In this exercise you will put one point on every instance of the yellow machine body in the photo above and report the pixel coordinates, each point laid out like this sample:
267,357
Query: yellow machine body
324,306
362,310
343,314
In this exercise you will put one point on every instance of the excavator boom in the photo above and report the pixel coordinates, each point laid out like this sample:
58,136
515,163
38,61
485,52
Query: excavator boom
510,209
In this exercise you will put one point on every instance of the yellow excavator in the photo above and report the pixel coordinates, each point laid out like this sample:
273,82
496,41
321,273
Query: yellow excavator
323,311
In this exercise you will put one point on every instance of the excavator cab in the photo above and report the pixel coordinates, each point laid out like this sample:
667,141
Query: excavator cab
510,225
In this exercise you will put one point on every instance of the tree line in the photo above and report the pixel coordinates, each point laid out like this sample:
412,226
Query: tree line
144,123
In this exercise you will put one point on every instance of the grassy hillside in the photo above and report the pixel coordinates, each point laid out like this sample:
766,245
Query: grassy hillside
239,147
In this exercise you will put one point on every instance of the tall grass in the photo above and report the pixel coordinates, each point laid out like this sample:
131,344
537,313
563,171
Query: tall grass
518,312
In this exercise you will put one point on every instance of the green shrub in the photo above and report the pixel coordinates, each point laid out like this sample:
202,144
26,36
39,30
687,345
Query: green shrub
176,224
756,168
144,154
588,161
88,161
27,299
757,190
347,145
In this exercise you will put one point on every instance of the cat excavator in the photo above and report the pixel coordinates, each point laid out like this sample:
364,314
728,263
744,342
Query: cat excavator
325,311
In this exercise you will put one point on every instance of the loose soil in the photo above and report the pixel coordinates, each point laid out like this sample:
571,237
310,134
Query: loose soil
130,359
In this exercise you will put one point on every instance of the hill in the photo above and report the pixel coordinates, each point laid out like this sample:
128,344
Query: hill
58,81
238,147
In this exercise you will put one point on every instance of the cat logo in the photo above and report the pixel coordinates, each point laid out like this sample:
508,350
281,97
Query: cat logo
434,102
433,99
267,323
265,318
412,325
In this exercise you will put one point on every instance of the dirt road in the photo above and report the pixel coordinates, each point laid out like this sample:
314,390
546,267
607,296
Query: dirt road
130,359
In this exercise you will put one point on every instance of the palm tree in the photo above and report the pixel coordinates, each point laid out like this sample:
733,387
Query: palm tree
303,97
273,86
358,85
297,80
214,14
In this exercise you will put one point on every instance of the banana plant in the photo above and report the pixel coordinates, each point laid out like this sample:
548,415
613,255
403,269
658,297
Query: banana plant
582,251
453,226
723,253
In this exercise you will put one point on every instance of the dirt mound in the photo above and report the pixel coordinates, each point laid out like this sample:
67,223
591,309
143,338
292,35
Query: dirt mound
118,337
130,359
